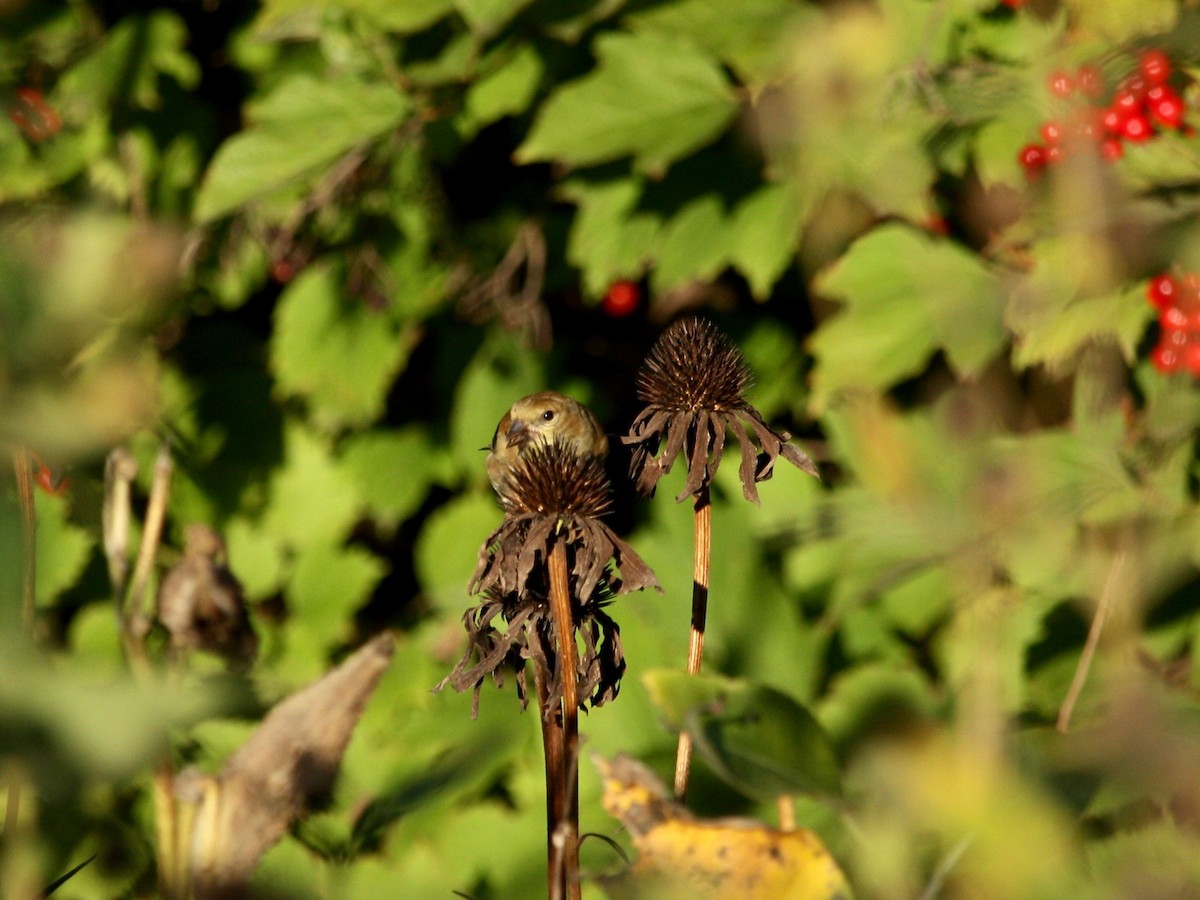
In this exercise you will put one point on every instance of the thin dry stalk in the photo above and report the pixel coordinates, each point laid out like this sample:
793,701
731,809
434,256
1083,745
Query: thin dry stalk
21,468
552,743
120,469
565,835
134,619
701,565
1103,607
786,806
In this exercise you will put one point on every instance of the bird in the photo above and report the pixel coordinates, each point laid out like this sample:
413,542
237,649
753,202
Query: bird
542,418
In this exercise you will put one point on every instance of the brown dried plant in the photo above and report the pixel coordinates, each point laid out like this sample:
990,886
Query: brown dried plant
694,383
548,571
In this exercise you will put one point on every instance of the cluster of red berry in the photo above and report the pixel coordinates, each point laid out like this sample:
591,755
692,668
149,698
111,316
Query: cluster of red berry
1141,103
1178,303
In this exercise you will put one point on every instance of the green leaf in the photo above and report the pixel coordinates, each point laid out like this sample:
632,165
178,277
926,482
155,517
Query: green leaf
62,549
391,470
507,90
312,500
340,355
304,124
1071,298
1121,317
64,719
765,232
649,97
758,739
610,238
695,244
487,16
126,66
255,556
906,294
448,548
1118,21
329,583
748,41
276,18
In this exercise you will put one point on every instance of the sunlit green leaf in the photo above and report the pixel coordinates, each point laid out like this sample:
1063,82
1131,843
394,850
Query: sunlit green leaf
757,738
305,123
338,353
62,548
649,97
906,296
391,470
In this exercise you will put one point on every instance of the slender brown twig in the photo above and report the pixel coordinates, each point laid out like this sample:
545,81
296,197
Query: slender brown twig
565,839
134,620
552,745
21,468
1103,607
702,555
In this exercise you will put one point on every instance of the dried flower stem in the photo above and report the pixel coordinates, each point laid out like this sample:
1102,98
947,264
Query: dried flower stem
1103,605
552,744
134,621
565,834
702,557
21,465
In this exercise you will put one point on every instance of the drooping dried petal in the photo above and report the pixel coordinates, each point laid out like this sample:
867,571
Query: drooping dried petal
555,498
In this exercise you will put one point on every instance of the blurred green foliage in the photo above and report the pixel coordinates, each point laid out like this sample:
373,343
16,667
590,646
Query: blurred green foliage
320,247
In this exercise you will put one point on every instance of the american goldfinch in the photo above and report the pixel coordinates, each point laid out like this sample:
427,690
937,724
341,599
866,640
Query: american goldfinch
542,418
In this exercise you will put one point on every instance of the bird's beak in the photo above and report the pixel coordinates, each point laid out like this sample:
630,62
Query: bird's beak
518,434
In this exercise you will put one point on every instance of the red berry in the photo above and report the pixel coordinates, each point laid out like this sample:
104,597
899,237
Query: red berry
1172,319
1112,149
282,271
1137,128
1165,359
936,224
1176,338
1127,102
1052,133
1162,292
1033,159
1155,66
1168,111
1055,154
1061,83
1013,4
621,299
1090,80
1191,358
1111,120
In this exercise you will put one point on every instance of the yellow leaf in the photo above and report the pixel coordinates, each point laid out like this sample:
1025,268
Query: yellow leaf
681,857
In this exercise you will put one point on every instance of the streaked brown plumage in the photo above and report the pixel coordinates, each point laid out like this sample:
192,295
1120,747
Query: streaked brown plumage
542,418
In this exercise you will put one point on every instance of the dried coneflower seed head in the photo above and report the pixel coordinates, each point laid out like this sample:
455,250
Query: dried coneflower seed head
693,366
554,479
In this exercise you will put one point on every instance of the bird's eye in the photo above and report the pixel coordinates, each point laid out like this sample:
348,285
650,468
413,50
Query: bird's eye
548,415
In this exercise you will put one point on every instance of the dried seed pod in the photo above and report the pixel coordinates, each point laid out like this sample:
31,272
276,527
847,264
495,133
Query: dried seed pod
694,382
